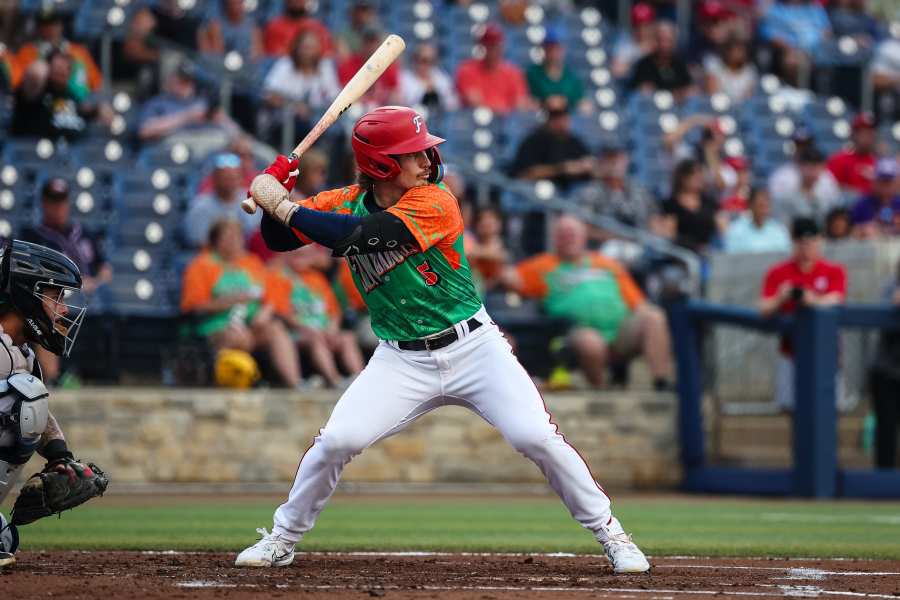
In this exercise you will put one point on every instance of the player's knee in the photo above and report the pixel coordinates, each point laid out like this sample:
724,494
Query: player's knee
530,443
341,446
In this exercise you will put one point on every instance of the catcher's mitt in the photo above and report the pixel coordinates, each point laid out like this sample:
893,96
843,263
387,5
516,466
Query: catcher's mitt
63,484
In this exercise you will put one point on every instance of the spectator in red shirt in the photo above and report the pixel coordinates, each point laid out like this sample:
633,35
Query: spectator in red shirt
805,280
854,168
387,87
491,81
281,31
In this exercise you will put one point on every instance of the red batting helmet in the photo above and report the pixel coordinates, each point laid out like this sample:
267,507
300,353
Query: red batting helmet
384,132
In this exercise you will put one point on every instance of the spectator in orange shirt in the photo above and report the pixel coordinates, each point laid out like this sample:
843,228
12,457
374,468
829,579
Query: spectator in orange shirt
281,31
486,252
491,81
229,291
308,305
386,90
610,315
85,78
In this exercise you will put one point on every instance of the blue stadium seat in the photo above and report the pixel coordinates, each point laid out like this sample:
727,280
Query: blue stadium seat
151,233
139,294
31,155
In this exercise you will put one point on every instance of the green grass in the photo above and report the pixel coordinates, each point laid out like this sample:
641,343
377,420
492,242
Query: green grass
662,526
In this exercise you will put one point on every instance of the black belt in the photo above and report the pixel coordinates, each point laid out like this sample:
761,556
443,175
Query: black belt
438,341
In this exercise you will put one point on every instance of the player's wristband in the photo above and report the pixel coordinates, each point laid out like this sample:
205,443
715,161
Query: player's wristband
55,450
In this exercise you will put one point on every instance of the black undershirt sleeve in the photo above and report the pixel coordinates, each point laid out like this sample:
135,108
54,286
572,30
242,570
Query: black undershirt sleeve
278,237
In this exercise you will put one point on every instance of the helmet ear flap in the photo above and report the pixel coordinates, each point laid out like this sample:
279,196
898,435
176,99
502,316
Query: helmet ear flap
437,166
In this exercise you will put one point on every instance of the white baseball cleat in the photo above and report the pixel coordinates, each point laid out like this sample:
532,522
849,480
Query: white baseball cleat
270,551
7,559
624,554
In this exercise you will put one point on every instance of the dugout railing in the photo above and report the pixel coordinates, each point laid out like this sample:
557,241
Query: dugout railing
815,471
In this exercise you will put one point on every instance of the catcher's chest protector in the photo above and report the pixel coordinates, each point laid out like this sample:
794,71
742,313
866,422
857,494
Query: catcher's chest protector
23,418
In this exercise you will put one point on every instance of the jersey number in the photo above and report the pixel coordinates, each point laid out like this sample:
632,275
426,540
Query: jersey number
430,277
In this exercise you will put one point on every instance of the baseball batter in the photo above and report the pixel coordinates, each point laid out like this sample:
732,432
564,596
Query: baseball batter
402,234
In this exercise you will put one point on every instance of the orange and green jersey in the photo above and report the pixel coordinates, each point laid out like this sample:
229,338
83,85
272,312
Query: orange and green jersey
414,290
594,291
208,277
345,289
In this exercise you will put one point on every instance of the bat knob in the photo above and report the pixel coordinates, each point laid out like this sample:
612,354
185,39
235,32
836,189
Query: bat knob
249,206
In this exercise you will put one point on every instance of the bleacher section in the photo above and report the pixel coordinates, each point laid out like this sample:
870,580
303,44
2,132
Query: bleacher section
138,195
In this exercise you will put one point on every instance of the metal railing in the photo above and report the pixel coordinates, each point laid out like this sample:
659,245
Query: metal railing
555,202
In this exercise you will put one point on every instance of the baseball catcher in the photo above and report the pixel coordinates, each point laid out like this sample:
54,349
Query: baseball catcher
36,286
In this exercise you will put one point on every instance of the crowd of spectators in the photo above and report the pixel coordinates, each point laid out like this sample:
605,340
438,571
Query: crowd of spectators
711,202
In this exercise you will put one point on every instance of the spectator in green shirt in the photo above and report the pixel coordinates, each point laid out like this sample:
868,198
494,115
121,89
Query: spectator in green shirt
553,78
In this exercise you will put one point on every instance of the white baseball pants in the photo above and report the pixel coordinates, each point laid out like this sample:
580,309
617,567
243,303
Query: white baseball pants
478,371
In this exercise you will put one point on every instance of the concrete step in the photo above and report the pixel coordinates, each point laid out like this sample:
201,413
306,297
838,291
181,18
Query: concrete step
766,441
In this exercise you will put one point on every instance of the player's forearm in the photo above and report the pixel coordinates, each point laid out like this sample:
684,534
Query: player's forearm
53,442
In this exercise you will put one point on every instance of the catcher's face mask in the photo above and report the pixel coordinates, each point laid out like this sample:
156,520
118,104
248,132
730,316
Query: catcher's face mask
64,309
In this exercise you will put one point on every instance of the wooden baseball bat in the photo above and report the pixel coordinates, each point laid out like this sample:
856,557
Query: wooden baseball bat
380,60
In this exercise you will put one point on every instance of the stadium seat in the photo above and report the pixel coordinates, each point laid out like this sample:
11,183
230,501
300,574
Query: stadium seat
140,294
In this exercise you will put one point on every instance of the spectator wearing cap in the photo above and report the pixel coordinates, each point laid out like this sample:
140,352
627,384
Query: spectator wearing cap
552,77
224,202
301,83
57,230
180,108
387,87
232,31
45,106
662,69
854,168
756,230
612,193
491,81
716,24
552,151
631,47
805,280
878,213
361,15
804,188
242,146
85,78
730,71
282,30
425,83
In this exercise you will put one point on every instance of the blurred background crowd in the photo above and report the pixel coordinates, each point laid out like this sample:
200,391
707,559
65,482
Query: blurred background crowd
664,132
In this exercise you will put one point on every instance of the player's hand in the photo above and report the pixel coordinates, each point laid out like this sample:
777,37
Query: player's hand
285,170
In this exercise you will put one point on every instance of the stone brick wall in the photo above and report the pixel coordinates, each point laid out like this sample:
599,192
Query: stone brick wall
165,435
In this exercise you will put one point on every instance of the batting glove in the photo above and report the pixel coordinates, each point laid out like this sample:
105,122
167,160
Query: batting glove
285,169
276,199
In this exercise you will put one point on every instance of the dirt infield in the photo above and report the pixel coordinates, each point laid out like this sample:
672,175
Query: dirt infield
92,575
